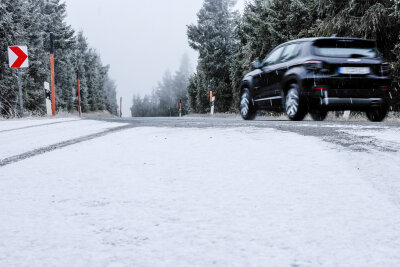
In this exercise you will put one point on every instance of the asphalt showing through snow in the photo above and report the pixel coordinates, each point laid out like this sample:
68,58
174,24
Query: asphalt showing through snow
333,132
329,131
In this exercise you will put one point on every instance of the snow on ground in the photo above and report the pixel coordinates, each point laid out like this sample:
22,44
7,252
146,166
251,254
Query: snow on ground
17,139
199,197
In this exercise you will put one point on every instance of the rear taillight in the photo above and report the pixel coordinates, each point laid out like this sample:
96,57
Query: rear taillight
315,66
313,62
320,87
385,88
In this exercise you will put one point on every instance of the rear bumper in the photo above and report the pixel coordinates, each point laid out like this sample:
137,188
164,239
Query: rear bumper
334,82
342,93
333,103
356,102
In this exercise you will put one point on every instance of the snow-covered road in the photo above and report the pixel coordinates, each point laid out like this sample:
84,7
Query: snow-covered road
201,197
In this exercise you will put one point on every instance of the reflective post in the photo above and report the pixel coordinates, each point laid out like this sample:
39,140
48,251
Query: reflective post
53,90
120,107
212,101
180,108
79,93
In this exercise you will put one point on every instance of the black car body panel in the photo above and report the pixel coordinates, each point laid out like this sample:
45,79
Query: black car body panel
332,74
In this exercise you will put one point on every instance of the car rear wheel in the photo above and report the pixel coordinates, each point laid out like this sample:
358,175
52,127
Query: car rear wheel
377,114
295,108
247,108
318,115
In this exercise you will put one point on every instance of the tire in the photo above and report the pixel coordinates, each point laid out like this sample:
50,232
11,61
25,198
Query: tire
377,114
247,108
319,115
295,108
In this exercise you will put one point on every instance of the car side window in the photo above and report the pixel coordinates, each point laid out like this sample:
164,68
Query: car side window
274,57
291,52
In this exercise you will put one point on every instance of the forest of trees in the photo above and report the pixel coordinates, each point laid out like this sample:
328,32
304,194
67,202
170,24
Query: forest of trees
228,42
29,22
165,98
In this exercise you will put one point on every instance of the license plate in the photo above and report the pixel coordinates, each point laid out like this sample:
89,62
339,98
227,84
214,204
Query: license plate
355,70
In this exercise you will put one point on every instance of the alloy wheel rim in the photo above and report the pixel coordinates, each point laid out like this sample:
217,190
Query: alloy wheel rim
292,102
244,105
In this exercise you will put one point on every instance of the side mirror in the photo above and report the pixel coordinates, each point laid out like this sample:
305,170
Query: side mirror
256,65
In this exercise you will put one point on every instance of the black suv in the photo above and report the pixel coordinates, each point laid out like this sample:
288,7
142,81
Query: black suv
317,75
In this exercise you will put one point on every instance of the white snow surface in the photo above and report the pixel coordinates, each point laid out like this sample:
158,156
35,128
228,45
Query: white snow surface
199,197
18,137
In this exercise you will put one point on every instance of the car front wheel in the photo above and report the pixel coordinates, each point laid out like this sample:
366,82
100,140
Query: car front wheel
294,106
247,108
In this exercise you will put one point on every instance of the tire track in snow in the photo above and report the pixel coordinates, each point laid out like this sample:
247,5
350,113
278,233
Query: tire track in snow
43,150
35,126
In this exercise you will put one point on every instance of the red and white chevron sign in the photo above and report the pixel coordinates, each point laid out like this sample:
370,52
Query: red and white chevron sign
18,57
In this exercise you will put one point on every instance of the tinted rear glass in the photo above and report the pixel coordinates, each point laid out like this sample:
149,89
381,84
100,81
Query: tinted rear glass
346,48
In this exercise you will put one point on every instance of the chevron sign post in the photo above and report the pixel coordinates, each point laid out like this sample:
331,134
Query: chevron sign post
18,59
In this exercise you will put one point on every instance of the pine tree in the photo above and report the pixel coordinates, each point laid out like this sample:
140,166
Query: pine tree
165,99
11,32
82,55
65,46
396,62
110,89
212,37
36,74
267,23
181,82
29,22
364,19
378,20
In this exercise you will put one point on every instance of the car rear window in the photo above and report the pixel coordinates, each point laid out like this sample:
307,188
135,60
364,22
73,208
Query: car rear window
346,48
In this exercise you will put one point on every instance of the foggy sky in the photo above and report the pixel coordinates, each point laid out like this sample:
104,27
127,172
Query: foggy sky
139,39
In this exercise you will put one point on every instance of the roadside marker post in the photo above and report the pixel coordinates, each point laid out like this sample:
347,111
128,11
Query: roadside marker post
180,108
212,98
21,101
48,98
120,107
53,90
213,105
18,59
79,93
